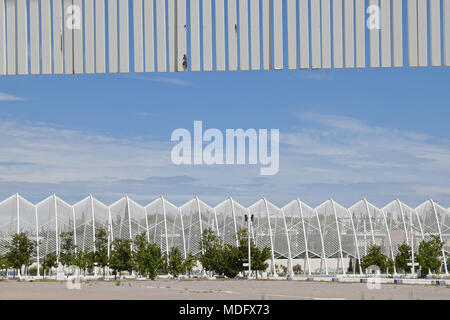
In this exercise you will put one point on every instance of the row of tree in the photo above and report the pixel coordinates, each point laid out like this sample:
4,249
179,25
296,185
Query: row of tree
427,256
121,255
217,257
221,258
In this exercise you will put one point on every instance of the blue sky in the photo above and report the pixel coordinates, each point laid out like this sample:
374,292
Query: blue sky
346,134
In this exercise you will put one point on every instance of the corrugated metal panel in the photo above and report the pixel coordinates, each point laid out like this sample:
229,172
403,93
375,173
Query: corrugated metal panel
220,35
232,36
397,32
2,38
338,50
58,58
360,33
304,33
171,22
323,38
349,34
11,36
138,38
161,35
149,34
195,35
267,34
113,38
374,40
100,37
255,34
422,27
413,55
315,35
446,18
78,38
124,35
89,36
435,33
292,33
386,33
278,34
35,61
46,37
326,33
181,36
22,37
244,57
68,36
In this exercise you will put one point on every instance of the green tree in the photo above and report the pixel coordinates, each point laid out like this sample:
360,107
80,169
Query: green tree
67,252
4,265
212,247
227,259
80,261
231,261
402,258
258,257
297,269
189,263
121,256
175,265
101,249
374,257
50,261
147,257
428,255
20,250
90,261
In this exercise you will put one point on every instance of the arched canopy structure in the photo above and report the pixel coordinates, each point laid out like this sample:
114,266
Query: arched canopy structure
327,237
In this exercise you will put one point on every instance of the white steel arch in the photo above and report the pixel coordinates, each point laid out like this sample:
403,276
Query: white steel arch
330,231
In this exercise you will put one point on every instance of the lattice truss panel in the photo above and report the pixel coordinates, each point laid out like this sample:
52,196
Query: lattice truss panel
431,218
262,227
371,228
17,215
328,232
230,220
197,217
402,224
338,233
165,225
90,216
137,218
120,225
54,217
305,237
281,246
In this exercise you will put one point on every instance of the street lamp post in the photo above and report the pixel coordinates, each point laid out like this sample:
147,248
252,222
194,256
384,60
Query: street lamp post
249,219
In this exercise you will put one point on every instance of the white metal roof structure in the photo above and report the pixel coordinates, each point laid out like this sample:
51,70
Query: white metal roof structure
98,36
329,233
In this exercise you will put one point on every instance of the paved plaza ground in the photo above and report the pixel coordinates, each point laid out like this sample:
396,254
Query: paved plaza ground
216,290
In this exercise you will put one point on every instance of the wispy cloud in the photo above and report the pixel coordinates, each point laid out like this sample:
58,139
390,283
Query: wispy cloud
9,97
327,156
168,80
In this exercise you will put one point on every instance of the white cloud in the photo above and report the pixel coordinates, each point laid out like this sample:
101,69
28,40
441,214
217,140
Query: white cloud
9,97
339,157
